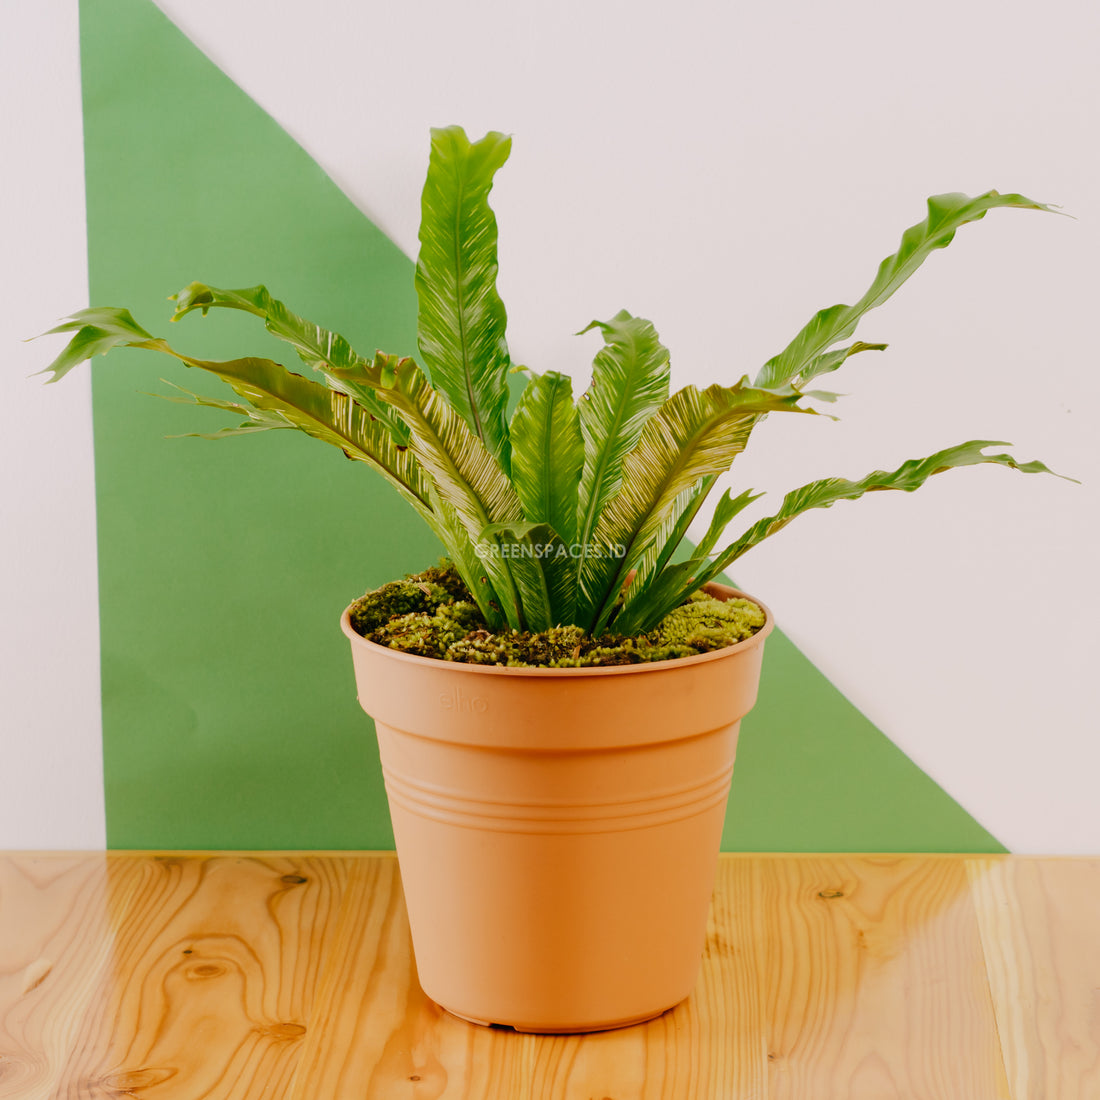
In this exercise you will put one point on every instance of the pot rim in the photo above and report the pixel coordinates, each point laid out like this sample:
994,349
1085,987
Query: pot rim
599,670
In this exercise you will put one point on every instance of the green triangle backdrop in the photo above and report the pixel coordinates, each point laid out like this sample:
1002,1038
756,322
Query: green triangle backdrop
229,710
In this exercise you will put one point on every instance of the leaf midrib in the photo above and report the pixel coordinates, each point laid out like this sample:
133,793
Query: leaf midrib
460,303
603,456
548,482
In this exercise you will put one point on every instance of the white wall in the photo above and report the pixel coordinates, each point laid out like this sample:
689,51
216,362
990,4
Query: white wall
727,170
51,774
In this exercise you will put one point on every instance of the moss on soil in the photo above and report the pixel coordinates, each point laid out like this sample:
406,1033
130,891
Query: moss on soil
432,614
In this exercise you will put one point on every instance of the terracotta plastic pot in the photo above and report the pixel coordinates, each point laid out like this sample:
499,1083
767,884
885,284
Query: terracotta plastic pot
558,829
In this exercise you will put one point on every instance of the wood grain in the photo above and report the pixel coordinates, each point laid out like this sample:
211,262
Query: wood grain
212,974
57,920
1040,928
873,980
291,977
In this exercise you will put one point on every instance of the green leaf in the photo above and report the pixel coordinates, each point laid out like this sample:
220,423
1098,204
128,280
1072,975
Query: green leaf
675,529
532,549
653,557
665,592
724,511
461,321
247,427
256,420
464,472
555,558
97,332
649,605
946,214
909,476
309,406
275,394
695,434
548,453
449,530
519,529
323,413
324,351
831,360
630,376
678,581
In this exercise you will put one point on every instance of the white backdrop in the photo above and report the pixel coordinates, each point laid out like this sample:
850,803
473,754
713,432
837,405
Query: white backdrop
726,170
51,777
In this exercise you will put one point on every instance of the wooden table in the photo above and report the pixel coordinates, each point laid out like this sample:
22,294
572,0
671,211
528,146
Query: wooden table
276,975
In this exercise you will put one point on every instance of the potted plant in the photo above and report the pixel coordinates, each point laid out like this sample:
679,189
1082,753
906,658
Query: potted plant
557,709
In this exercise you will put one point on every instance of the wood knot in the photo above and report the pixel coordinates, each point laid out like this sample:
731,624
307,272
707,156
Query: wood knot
293,880
830,895
717,944
206,970
125,1082
283,1031
35,974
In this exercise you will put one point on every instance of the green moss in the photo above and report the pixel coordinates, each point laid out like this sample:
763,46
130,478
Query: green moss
479,647
447,577
519,649
430,635
417,593
374,610
432,614
705,623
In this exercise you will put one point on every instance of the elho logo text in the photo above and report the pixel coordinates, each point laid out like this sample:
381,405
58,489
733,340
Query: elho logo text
455,700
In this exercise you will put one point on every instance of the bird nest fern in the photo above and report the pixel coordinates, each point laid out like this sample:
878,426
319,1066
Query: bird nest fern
568,512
